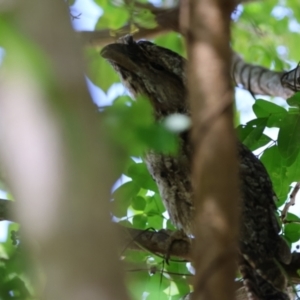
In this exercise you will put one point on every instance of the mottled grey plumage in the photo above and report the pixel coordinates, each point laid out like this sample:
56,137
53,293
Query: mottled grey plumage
158,73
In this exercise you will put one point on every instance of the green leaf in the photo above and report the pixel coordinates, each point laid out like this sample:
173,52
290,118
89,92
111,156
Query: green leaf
289,138
182,286
292,232
294,100
99,71
156,285
172,41
122,198
114,17
136,256
155,221
276,167
138,203
125,119
292,217
251,134
154,295
177,267
138,281
144,18
131,125
154,205
8,244
18,287
159,138
140,175
293,171
102,3
140,221
267,109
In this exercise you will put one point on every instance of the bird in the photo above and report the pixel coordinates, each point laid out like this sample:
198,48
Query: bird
159,73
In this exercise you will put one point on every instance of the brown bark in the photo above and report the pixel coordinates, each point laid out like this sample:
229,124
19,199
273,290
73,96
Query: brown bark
262,81
56,159
215,169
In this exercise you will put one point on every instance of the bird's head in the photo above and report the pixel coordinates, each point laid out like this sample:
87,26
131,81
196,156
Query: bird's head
150,70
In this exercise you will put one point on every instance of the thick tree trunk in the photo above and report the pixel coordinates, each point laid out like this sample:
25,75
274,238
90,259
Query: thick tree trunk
58,165
215,169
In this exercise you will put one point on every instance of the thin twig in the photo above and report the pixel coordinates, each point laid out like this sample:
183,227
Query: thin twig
291,222
291,202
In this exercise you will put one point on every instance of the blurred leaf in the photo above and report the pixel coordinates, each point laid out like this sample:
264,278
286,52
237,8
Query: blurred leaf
134,256
138,282
18,287
177,268
140,174
132,126
155,221
159,138
156,285
30,58
138,203
144,18
124,119
122,198
140,221
102,3
8,244
173,41
99,71
113,17
182,286
154,205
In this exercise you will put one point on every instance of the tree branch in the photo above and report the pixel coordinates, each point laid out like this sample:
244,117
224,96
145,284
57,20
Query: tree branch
155,242
291,202
257,79
262,81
